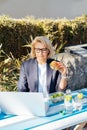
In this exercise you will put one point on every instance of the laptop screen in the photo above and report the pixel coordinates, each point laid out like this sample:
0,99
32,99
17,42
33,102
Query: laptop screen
21,103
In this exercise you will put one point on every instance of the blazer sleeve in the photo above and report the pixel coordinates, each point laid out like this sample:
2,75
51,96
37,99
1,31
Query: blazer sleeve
58,81
22,83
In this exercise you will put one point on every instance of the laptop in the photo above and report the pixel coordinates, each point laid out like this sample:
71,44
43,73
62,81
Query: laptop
27,103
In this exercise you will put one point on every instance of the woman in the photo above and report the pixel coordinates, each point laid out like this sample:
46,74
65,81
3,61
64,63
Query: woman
36,74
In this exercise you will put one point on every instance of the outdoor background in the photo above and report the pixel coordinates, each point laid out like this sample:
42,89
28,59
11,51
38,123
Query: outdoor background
63,21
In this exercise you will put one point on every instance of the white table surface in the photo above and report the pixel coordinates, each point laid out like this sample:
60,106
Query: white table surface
58,124
64,123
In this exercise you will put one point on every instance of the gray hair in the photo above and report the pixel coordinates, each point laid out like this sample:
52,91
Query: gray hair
44,40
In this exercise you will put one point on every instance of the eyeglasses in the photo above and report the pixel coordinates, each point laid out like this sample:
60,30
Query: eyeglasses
43,50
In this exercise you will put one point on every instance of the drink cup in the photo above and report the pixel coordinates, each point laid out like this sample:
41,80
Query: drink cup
77,103
68,104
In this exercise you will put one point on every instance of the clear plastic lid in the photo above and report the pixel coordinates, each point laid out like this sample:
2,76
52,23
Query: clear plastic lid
68,91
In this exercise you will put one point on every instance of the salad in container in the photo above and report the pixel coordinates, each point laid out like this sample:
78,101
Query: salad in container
56,97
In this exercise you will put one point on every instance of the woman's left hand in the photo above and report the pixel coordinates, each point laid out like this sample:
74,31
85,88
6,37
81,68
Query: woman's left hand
62,68
59,66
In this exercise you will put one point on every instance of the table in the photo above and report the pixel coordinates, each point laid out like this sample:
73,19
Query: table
57,121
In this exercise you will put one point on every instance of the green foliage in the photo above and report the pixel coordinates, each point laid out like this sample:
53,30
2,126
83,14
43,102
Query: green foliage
9,72
16,33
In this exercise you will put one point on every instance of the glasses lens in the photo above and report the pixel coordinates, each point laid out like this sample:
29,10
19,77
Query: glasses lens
43,50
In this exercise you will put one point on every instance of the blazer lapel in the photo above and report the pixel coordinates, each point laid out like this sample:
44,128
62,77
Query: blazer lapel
34,76
49,77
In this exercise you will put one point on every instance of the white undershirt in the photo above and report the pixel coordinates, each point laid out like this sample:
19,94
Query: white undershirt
42,85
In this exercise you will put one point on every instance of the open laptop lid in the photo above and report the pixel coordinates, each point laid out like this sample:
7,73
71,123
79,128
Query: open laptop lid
21,103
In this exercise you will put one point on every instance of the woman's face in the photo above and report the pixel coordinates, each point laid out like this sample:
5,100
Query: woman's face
41,53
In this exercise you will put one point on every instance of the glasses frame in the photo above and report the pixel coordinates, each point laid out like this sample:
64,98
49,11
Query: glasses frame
43,50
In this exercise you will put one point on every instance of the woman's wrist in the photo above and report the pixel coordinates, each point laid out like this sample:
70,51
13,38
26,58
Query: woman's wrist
64,76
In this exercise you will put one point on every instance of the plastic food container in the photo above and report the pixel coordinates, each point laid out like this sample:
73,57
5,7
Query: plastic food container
57,97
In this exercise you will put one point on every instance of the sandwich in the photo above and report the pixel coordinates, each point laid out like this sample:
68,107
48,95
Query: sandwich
55,65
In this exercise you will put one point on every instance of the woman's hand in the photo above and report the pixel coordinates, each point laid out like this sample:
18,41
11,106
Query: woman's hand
59,66
63,70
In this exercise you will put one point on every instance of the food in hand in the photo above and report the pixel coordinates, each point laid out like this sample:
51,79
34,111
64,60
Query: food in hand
55,65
